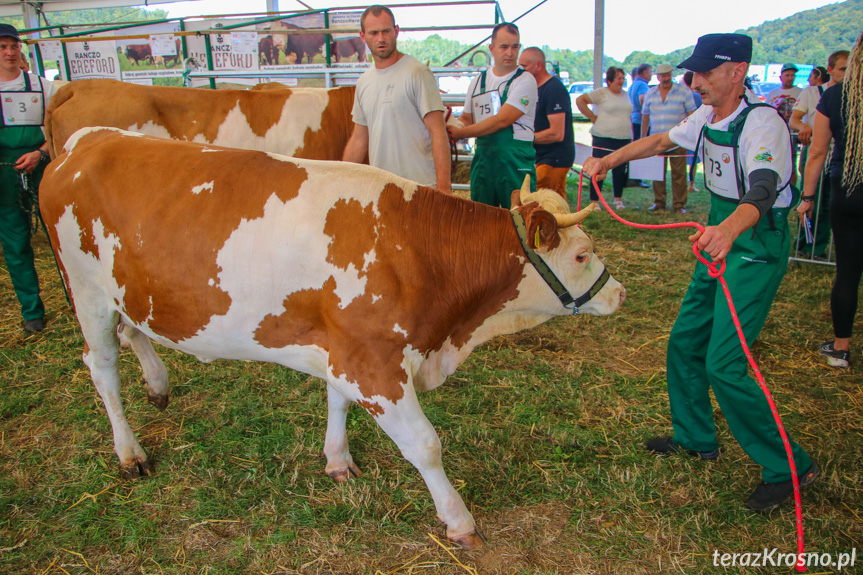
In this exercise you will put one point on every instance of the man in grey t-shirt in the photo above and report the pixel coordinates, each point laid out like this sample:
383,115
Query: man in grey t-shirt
398,112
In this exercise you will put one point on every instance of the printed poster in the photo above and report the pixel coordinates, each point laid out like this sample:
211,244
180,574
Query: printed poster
348,49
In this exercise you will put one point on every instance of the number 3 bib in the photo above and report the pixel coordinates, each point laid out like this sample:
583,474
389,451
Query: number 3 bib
25,108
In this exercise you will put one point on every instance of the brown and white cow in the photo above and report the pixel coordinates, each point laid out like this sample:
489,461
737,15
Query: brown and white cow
312,123
369,281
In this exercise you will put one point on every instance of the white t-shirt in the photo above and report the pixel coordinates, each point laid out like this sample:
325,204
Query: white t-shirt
783,99
809,98
392,103
764,144
18,85
522,95
612,114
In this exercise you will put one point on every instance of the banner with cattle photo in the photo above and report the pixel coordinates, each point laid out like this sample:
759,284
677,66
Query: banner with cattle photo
347,49
232,51
282,50
144,59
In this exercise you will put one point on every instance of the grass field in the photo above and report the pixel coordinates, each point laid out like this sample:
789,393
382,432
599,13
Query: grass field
542,433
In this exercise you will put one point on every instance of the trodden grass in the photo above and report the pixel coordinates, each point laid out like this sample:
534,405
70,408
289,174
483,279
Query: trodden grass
542,433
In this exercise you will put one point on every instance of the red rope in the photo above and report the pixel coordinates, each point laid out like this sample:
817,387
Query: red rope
717,274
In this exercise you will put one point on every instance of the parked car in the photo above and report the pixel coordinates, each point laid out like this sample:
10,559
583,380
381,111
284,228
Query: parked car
576,89
761,89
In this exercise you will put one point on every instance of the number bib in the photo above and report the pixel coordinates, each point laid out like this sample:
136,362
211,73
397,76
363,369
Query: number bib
22,108
485,105
719,170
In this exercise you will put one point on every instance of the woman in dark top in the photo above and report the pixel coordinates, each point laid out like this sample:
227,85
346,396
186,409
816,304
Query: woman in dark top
839,117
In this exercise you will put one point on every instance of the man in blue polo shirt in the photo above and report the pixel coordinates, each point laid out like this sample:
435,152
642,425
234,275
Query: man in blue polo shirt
637,92
664,107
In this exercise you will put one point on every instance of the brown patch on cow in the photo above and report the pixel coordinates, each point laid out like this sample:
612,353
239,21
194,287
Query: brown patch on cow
373,408
337,125
433,277
169,237
352,228
263,115
186,114
303,324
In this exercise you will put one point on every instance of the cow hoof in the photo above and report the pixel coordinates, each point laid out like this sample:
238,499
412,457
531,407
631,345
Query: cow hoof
470,541
345,475
135,470
160,401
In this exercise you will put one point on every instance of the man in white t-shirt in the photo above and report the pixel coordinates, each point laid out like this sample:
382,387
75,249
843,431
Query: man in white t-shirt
499,112
747,165
398,112
23,149
783,99
803,121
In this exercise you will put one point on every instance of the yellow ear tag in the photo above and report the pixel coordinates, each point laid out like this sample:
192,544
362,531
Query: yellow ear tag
536,239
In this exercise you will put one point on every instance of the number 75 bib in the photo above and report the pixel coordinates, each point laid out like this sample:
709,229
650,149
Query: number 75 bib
485,105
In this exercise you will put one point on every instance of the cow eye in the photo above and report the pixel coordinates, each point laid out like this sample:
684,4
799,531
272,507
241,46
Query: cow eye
582,257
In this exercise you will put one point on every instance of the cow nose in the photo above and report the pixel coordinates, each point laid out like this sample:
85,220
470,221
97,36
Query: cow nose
622,295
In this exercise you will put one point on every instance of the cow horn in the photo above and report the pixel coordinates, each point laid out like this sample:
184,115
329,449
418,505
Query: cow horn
525,188
567,220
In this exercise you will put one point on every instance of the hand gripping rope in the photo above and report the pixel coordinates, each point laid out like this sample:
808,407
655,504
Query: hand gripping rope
715,273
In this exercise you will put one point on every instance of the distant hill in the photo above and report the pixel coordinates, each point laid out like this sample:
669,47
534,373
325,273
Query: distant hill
807,37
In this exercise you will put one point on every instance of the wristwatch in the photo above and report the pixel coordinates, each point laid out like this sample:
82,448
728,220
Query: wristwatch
45,157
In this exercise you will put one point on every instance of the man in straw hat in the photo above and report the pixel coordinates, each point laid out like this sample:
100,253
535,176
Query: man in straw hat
746,150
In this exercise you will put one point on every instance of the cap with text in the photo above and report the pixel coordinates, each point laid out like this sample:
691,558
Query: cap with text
786,67
712,50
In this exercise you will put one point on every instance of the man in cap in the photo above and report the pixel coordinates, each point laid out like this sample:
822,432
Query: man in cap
498,112
783,99
23,150
664,107
398,112
747,163
553,139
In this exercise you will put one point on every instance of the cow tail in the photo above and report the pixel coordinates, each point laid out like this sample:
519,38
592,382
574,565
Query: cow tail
63,94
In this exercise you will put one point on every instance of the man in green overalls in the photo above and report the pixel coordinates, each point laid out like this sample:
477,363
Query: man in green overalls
499,112
22,150
746,150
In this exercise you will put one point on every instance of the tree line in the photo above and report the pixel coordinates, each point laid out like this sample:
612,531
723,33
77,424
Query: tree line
807,37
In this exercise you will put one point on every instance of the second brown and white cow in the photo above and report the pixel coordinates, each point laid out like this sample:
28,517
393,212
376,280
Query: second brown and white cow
374,283
313,123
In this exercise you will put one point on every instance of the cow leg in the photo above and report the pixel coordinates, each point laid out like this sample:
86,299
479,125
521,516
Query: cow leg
407,425
101,357
340,464
155,374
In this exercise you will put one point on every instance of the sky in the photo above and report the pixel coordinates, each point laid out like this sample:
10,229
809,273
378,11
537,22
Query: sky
658,26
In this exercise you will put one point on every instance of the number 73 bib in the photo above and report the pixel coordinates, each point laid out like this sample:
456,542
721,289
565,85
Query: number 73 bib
22,108
719,170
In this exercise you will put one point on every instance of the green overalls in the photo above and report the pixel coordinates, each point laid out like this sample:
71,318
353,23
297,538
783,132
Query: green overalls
22,118
500,161
704,350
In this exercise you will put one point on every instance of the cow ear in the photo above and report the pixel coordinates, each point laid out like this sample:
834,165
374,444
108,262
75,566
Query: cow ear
515,199
542,230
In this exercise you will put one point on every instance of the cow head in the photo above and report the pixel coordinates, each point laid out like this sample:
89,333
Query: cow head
566,249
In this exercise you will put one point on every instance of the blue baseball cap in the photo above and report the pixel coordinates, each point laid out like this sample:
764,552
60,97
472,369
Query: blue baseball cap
11,31
711,50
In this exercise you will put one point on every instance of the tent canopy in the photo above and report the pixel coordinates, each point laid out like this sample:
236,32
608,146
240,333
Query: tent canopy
17,7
